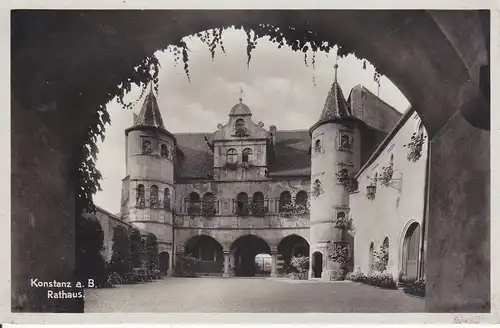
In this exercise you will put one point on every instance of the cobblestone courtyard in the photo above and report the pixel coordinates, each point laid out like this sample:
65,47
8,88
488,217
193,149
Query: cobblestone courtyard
218,295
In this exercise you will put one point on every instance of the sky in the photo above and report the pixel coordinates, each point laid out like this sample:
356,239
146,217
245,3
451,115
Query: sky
277,86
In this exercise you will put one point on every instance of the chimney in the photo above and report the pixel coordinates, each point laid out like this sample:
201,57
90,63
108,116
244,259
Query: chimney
272,134
135,118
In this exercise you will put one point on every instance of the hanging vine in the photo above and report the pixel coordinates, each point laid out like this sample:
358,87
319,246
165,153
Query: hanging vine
147,72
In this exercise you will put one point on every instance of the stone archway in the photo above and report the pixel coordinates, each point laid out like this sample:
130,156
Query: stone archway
209,253
317,264
245,249
438,59
290,246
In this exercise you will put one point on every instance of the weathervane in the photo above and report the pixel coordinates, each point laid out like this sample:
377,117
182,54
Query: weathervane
241,94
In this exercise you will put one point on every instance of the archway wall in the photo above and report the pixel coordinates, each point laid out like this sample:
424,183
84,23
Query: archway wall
75,58
227,237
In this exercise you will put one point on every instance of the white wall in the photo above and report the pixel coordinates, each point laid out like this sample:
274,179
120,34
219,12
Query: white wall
392,210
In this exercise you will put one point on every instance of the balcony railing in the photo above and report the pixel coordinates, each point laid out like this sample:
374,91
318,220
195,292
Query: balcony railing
253,208
201,208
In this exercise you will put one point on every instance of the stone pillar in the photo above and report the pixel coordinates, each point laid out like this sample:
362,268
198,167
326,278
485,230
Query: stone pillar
226,264
274,260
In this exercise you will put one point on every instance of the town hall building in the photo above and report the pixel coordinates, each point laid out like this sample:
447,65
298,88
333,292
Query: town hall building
337,191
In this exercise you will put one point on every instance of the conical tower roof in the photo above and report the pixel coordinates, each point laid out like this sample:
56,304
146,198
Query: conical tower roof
335,105
150,113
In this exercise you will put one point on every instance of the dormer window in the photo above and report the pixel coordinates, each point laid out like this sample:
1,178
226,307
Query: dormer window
164,151
146,147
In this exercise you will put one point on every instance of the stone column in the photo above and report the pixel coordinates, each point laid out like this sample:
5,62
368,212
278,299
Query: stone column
274,260
226,264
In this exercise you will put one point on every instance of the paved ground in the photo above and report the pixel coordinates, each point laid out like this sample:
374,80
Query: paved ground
219,295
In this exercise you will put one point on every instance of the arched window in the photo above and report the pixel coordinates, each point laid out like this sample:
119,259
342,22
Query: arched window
146,147
242,204
258,206
370,258
285,199
194,204
301,198
247,155
166,199
208,206
153,197
164,151
317,146
140,196
345,142
232,156
341,215
385,248
391,159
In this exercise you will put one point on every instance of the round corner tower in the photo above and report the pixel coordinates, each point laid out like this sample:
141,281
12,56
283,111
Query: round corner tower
148,189
333,140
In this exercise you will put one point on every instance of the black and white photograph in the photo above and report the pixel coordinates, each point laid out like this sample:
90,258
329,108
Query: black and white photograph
250,161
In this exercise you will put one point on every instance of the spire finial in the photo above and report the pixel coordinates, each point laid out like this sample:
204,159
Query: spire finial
151,87
241,94
336,66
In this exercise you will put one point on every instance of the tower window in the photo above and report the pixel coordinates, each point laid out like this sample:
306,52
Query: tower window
345,143
164,151
247,155
166,199
317,146
153,197
140,196
232,156
193,207
146,147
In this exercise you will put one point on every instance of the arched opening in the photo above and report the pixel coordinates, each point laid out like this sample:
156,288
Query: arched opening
242,204
209,253
247,155
259,206
141,200
285,199
164,259
317,264
193,206
245,249
301,198
232,156
209,207
153,196
166,199
370,259
411,246
290,246
240,123
385,247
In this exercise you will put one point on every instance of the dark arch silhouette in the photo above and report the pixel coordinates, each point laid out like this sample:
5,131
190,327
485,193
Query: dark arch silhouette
317,264
209,251
245,248
290,246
